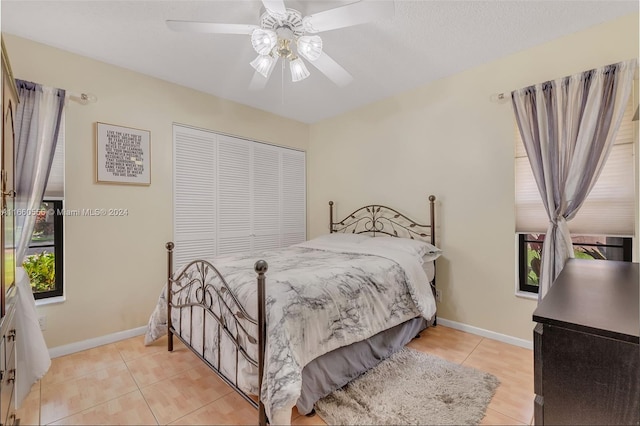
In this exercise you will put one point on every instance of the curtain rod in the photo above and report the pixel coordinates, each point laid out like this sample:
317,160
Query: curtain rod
82,98
503,97
499,98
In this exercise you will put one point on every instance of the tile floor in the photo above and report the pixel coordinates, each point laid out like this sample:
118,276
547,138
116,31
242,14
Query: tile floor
129,383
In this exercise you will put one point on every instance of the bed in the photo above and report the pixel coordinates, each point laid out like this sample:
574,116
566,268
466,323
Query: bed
331,308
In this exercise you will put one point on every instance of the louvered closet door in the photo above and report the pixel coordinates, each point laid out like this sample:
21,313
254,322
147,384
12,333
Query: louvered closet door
234,195
194,195
266,197
293,216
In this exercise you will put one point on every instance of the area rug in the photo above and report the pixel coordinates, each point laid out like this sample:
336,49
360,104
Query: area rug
411,388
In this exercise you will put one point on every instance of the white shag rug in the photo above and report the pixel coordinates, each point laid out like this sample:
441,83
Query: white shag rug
411,388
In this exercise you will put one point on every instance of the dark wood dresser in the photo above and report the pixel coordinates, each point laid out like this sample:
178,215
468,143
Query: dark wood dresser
586,351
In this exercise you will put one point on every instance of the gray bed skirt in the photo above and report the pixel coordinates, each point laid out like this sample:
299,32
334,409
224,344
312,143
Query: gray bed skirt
335,369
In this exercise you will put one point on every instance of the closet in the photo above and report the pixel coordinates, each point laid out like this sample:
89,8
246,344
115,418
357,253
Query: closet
233,195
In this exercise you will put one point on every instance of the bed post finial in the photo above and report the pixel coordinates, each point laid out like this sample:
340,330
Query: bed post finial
432,198
169,247
261,268
330,217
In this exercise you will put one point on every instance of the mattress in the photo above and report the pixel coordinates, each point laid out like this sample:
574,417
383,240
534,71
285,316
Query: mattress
320,297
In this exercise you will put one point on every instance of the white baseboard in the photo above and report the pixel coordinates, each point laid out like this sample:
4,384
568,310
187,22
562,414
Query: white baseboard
95,342
527,344
126,334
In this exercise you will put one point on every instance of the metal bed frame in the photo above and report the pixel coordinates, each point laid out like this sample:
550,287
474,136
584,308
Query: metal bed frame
202,280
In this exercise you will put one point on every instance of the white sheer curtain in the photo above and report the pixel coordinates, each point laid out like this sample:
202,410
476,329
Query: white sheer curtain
37,124
568,127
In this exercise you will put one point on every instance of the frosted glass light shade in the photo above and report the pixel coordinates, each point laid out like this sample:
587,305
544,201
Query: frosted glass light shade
299,70
263,41
264,64
310,47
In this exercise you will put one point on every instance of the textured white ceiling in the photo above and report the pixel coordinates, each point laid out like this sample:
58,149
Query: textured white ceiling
423,41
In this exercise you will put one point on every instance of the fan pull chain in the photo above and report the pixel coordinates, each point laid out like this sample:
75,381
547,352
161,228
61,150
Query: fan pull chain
282,83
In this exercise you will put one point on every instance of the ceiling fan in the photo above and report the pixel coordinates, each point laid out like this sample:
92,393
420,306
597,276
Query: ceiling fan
283,33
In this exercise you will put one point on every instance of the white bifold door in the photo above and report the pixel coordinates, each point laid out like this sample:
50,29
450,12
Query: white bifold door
232,195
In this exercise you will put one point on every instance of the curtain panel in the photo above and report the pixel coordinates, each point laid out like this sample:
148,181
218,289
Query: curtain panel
568,127
37,124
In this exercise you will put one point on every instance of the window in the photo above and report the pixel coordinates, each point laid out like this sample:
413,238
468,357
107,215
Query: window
44,258
584,247
609,210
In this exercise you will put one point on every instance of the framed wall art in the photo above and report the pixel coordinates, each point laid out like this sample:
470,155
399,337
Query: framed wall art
123,155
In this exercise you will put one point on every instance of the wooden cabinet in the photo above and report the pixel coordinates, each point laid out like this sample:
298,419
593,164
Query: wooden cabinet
586,351
7,369
7,182
8,332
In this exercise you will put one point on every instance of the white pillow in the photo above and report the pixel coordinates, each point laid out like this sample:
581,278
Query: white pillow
418,248
341,237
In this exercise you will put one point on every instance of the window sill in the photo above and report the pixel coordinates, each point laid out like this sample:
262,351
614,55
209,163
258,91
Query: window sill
50,300
527,295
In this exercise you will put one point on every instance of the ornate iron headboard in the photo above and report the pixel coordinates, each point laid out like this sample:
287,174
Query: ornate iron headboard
378,219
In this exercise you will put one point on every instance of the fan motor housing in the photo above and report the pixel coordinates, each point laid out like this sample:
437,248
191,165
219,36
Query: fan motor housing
289,28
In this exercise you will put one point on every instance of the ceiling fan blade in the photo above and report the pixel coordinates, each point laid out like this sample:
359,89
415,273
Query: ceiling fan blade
276,6
334,71
258,81
351,14
210,27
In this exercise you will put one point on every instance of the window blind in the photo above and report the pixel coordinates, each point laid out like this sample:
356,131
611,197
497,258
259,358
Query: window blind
55,183
610,206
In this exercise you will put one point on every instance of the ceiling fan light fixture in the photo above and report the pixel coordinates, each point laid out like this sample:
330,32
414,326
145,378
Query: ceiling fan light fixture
264,64
310,47
298,69
263,41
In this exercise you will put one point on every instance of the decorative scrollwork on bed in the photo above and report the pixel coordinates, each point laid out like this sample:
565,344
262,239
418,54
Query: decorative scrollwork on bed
200,287
201,290
379,219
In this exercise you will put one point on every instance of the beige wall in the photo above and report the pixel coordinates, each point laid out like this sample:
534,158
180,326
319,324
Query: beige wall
445,138
448,139
115,266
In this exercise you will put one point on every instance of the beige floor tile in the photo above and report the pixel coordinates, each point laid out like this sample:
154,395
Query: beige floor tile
309,420
61,400
134,347
513,366
129,409
493,417
29,412
160,365
448,343
99,385
188,391
231,409
79,364
294,413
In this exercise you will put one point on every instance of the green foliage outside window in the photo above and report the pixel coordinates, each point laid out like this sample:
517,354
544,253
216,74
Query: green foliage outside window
533,266
41,268
534,256
43,231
